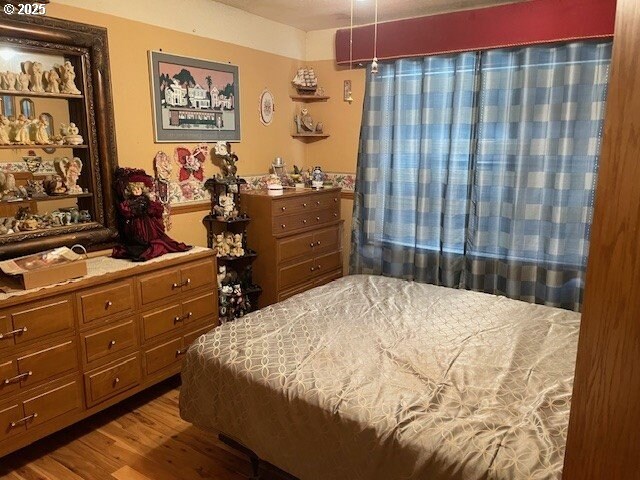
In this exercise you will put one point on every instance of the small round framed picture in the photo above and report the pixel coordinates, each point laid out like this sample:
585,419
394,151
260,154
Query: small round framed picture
267,107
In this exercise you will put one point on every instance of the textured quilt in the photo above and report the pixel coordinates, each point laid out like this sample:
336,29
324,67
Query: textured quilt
377,378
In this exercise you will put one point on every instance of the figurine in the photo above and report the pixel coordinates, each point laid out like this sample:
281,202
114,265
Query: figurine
84,216
68,76
142,233
317,178
53,185
222,246
35,189
5,128
42,130
53,81
237,249
274,183
225,209
70,171
23,82
21,128
34,70
7,186
319,127
228,158
306,120
305,81
70,134
8,80
222,272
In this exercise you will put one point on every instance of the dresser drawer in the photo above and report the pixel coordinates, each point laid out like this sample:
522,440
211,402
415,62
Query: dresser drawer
327,239
293,247
103,384
105,301
158,286
191,337
328,262
6,339
296,273
326,278
286,206
163,356
8,414
42,319
200,307
284,294
161,320
328,200
292,223
198,275
8,381
109,341
48,363
52,404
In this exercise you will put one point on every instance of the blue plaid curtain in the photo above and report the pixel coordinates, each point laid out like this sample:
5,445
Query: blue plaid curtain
478,170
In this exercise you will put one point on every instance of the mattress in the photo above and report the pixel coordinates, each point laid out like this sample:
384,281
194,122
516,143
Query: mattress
371,377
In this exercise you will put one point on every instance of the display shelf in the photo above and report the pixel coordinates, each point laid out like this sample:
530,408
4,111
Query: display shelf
212,218
18,93
309,98
49,198
229,258
310,135
33,147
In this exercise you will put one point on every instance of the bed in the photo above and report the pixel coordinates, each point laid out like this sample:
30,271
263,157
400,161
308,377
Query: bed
371,377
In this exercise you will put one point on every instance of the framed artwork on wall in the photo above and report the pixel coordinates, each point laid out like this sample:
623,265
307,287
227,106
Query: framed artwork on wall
194,100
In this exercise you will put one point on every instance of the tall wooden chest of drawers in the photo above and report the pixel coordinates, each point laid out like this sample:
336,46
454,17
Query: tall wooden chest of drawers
298,239
71,350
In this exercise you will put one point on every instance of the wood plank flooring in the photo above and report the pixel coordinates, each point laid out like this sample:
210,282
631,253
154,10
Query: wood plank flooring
142,438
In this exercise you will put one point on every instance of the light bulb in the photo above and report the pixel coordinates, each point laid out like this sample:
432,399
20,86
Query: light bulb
374,66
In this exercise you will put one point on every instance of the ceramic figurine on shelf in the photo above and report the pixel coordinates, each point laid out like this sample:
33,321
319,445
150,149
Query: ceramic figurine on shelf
34,70
21,127
225,209
222,272
319,127
70,134
237,248
221,245
142,233
5,129
54,185
53,81
42,130
68,77
23,82
69,171
7,186
317,178
8,80
222,150
35,189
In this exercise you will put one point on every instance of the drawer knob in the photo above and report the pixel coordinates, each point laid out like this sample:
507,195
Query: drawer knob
319,267
112,343
318,219
317,202
186,283
304,221
24,420
17,378
284,208
116,381
189,314
335,214
180,352
177,319
18,331
109,303
304,205
318,242
312,244
312,269
283,226
335,199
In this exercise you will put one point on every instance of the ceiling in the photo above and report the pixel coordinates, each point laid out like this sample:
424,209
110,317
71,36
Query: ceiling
320,14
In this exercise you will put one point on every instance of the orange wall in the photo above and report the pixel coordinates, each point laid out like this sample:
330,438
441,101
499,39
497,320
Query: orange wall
339,152
129,42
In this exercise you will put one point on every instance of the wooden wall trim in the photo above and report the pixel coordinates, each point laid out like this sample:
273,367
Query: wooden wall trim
604,428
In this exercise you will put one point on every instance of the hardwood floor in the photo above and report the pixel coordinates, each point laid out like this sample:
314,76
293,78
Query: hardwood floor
142,438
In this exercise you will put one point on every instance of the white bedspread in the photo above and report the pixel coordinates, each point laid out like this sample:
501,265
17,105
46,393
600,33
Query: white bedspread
377,378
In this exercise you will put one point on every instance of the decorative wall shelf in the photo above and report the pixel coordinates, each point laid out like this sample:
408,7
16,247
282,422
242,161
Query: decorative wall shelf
18,93
33,147
309,98
310,135
50,198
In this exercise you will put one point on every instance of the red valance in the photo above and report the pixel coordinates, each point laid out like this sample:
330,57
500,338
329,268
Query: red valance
525,23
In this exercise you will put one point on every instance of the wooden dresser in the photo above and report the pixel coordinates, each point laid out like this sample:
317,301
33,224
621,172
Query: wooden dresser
298,239
71,350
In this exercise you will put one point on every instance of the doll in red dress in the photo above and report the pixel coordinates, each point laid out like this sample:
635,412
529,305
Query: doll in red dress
141,228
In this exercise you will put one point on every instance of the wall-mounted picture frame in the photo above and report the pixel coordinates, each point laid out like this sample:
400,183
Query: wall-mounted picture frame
267,107
194,100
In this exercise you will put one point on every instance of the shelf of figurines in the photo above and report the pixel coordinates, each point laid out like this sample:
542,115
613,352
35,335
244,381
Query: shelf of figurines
28,93
230,258
309,98
227,221
47,198
60,219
